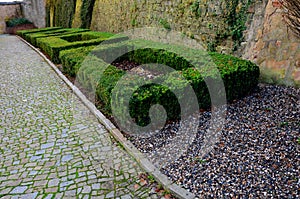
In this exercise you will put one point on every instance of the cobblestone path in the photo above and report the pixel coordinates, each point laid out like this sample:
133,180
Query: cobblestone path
51,146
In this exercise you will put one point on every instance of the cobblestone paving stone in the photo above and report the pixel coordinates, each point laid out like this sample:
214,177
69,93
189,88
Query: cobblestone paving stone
51,146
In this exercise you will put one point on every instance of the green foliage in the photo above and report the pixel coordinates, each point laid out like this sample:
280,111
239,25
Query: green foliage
86,13
235,16
196,9
71,59
32,38
239,76
17,21
54,44
22,33
64,11
236,20
165,24
211,46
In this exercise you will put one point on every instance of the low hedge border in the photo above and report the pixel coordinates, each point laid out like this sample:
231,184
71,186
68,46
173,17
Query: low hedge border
22,33
239,76
53,45
71,59
32,38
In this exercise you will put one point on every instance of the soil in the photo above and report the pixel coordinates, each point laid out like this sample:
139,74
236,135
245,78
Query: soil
13,30
125,65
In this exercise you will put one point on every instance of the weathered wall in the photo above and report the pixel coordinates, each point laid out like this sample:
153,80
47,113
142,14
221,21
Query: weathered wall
251,29
272,46
77,22
8,10
35,11
69,13
208,21
60,12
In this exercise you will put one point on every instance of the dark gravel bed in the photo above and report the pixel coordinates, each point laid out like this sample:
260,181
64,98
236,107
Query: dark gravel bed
257,155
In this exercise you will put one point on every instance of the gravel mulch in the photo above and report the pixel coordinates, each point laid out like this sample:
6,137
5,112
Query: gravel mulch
257,156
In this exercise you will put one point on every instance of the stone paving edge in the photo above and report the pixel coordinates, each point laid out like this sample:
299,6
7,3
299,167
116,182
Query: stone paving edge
146,165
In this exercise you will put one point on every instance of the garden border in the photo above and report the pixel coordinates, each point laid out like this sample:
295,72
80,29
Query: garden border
129,147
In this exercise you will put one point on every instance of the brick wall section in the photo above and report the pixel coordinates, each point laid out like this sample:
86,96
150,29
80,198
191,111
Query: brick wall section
8,10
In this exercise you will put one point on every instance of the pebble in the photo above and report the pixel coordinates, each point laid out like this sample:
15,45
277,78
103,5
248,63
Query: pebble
256,155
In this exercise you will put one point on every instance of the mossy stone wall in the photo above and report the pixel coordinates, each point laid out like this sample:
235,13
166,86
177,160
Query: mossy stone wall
251,29
209,21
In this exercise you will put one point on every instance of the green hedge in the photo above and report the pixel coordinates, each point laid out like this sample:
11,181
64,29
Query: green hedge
17,21
71,59
239,76
32,38
22,33
53,45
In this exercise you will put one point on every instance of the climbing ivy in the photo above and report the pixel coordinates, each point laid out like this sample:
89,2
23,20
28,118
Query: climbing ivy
86,13
234,15
236,20
195,8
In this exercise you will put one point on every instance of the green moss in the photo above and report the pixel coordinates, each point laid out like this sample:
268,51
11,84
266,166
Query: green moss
165,24
236,20
196,9
64,11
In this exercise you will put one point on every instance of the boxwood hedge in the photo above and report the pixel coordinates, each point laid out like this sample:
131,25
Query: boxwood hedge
22,33
71,59
54,44
32,38
239,76
97,74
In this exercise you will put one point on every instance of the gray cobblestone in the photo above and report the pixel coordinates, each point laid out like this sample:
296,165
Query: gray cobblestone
19,189
49,141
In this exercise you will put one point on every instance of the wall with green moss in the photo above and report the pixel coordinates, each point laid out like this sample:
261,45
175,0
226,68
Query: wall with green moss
254,30
217,23
60,12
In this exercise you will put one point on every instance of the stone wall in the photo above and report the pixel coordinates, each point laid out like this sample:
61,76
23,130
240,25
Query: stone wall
207,21
35,11
272,46
252,29
8,10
